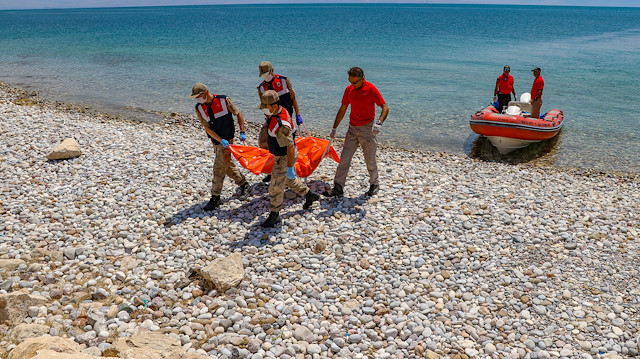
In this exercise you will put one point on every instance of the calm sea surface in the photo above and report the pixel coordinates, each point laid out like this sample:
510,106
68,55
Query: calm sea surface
434,64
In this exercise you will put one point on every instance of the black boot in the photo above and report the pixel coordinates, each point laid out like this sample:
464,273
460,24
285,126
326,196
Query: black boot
373,189
214,202
274,217
244,191
335,192
310,197
267,179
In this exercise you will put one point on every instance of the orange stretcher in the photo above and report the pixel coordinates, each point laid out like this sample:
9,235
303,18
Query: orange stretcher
311,150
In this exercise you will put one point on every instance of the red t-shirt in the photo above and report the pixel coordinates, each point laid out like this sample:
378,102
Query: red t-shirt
538,84
363,101
505,85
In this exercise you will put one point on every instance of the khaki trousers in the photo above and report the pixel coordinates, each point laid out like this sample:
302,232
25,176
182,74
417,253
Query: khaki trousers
279,181
535,109
223,167
363,137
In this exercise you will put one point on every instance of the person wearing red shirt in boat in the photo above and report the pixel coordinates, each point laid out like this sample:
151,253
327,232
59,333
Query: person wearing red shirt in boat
504,89
215,115
536,92
363,96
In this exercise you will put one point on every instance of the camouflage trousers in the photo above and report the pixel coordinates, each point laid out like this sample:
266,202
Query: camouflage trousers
363,137
223,167
279,181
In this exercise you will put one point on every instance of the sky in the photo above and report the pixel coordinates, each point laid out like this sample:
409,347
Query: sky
56,4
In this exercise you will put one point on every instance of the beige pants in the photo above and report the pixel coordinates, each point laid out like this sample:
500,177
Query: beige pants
279,181
535,109
223,167
363,137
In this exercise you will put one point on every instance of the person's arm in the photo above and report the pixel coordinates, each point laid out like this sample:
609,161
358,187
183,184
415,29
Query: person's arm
383,113
208,129
340,115
294,100
539,95
234,110
291,155
285,138
495,91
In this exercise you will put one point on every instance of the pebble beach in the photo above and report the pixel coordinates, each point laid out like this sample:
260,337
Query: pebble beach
454,258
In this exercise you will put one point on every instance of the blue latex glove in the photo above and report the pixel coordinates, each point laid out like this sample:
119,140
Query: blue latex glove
299,120
291,173
243,137
224,143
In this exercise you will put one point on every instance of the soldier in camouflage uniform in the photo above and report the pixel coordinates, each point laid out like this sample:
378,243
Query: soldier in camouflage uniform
280,140
215,115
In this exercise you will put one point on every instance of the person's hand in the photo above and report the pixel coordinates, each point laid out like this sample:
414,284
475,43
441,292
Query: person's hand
224,143
291,173
243,137
299,120
495,98
333,133
376,127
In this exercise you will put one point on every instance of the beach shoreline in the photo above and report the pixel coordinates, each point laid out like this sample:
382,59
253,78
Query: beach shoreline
454,258
181,119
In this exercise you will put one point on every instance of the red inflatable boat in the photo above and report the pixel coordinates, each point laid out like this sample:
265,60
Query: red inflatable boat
509,132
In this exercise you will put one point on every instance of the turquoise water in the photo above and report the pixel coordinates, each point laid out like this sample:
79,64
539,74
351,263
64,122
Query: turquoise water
434,64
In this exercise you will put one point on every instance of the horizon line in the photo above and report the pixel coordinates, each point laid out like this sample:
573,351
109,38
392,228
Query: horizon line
312,2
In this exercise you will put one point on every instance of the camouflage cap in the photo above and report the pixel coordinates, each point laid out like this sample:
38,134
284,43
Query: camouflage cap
264,68
198,89
270,97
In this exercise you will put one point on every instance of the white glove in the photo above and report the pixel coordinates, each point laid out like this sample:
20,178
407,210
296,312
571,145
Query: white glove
376,127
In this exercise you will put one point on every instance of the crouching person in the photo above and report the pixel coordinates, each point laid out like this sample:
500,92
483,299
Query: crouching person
215,115
281,145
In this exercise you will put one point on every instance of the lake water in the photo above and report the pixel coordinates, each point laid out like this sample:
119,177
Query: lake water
434,64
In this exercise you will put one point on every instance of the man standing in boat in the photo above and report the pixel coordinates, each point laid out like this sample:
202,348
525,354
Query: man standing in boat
363,130
504,89
536,92
281,85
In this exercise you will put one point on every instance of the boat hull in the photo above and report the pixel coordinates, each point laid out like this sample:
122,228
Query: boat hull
510,132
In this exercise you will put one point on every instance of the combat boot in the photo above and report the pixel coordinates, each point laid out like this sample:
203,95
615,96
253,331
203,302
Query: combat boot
373,189
274,217
244,191
310,197
214,202
335,192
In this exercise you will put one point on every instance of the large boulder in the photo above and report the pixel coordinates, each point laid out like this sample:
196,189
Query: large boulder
14,306
50,354
224,273
69,148
25,331
149,345
30,347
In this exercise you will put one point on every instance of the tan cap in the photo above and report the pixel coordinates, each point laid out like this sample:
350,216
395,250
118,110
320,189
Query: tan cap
198,89
264,68
270,97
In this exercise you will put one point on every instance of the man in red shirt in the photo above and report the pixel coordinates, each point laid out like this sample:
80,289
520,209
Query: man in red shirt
536,92
363,96
504,89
